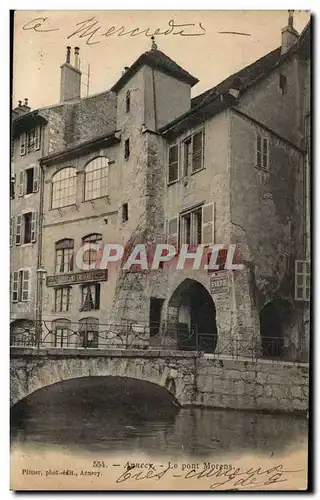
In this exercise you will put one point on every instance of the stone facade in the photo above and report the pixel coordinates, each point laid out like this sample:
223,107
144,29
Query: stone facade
260,210
193,380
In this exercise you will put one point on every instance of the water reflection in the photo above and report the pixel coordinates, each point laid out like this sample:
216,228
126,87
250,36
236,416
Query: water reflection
113,414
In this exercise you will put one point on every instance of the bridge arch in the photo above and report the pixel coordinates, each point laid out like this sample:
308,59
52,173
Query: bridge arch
32,373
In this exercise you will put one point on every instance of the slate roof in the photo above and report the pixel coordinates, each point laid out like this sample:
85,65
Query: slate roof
157,60
241,80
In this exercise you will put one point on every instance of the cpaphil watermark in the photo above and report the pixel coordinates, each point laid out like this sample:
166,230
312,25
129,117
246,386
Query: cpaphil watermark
145,257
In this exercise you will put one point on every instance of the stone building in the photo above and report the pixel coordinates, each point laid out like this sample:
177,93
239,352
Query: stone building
226,167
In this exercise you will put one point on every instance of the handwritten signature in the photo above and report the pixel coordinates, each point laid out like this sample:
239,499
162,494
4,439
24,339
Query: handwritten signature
234,479
91,30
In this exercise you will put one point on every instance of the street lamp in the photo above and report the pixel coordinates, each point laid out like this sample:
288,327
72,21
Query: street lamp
41,274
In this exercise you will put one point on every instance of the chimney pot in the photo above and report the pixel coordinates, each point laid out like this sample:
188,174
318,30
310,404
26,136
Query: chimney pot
76,57
289,35
26,101
20,103
68,54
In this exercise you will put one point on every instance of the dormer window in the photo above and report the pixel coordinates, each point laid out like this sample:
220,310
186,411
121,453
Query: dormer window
30,141
128,101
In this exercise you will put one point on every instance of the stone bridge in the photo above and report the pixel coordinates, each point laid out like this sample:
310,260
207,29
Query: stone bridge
193,378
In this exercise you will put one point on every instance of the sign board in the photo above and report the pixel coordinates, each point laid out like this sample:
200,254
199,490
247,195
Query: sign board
81,277
219,283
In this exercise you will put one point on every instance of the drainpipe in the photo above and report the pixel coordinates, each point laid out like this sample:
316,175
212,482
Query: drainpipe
40,270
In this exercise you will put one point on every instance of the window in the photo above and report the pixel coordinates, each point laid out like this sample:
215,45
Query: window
28,181
197,225
64,256
26,228
283,84
62,299
193,153
173,167
96,178
20,285
262,152
125,214
29,222
90,297
64,185
173,231
12,186
89,332
33,140
18,229
191,227
128,101
11,230
126,149
61,329
90,256
302,280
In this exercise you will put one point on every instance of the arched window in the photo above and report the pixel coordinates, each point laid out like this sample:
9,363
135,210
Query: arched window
89,332
96,178
61,328
64,185
90,255
64,256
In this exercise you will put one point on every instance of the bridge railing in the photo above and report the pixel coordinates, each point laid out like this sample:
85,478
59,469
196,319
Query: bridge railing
154,336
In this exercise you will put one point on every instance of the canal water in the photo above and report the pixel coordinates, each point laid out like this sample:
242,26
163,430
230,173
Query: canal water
100,415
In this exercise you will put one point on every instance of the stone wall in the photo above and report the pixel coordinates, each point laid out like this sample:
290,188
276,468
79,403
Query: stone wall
192,378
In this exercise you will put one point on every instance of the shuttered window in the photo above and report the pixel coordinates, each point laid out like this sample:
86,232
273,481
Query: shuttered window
208,217
173,164
173,231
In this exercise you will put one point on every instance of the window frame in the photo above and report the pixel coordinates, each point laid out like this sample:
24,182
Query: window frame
66,188
61,246
177,162
188,157
306,289
61,324
94,238
95,296
261,152
61,290
20,285
87,173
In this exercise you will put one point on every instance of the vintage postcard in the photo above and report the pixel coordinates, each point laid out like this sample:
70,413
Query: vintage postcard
160,250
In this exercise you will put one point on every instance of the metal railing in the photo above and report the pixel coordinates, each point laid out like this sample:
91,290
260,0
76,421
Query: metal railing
155,336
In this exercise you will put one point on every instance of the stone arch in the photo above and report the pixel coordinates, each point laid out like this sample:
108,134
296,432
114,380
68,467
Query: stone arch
275,317
29,375
192,317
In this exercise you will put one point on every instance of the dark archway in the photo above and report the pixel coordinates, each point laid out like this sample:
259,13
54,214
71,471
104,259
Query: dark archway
274,317
192,315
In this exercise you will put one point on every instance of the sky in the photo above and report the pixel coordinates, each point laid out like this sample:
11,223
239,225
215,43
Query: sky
210,54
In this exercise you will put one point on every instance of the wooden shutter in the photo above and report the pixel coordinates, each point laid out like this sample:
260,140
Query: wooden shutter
11,230
259,151
18,229
34,223
14,287
197,151
25,285
35,178
208,224
37,139
23,144
21,183
173,231
173,166
265,153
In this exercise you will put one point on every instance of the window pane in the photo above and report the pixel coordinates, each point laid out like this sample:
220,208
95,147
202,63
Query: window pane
64,187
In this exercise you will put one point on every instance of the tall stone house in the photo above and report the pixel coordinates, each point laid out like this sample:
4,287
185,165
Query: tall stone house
145,163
